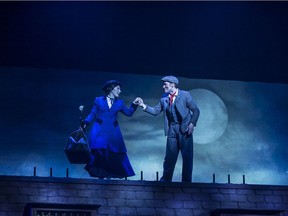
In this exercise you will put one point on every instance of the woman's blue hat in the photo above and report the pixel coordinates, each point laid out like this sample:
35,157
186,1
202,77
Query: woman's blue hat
109,83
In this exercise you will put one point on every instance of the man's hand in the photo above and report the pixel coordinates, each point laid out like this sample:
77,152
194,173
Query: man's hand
190,129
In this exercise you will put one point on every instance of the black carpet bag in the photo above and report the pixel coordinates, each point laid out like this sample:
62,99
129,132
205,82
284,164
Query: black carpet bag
77,149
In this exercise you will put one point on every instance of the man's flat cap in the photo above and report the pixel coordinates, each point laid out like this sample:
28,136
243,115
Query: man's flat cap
171,79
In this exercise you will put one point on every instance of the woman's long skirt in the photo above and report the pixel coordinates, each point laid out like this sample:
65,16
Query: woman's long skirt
105,164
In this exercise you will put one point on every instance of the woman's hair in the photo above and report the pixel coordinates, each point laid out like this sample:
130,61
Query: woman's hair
109,88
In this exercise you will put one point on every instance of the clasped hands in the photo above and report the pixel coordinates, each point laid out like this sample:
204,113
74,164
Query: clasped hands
139,101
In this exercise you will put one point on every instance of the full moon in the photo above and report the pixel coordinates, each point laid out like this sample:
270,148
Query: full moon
213,118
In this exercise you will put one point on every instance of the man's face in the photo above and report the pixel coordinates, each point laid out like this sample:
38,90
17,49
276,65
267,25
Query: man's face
168,87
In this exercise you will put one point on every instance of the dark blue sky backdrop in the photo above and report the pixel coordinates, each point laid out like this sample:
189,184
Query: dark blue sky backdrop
228,40
242,129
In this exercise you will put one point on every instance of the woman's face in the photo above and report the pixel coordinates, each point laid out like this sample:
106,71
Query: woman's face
116,91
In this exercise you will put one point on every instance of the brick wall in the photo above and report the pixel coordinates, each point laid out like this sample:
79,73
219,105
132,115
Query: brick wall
126,197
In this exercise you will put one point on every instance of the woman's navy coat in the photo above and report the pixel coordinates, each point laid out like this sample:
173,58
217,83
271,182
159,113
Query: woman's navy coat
105,132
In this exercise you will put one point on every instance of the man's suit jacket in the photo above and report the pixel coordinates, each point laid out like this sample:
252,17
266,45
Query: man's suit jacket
184,104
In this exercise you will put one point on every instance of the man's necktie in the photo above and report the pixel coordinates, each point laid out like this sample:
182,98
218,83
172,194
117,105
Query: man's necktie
171,98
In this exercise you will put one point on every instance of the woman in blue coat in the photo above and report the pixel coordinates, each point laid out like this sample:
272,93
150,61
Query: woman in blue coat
108,151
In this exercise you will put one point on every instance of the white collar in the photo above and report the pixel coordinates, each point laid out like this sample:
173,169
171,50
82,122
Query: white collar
176,93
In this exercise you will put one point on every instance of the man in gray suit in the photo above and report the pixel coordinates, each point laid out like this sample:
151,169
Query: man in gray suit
180,117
